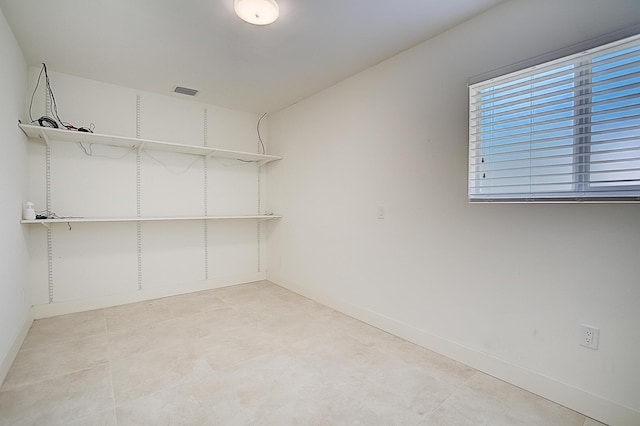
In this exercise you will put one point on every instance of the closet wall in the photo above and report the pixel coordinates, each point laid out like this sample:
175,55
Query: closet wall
89,265
15,317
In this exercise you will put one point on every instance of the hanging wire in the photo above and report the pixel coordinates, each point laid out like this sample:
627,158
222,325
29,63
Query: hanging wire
264,151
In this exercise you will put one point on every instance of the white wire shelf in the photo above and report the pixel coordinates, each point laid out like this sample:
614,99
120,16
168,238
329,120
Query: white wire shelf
47,134
47,222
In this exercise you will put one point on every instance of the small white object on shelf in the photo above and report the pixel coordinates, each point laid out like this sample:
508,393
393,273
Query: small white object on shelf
29,212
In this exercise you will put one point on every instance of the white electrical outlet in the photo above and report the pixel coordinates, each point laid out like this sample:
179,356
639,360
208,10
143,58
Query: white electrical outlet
589,336
380,212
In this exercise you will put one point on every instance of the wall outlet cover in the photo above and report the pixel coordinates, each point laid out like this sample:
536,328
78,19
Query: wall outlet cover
589,336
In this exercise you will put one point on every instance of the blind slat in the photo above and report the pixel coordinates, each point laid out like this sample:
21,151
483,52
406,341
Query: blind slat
565,74
618,183
551,107
487,144
479,145
534,166
556,175
490,159
590,115
566,94
532,133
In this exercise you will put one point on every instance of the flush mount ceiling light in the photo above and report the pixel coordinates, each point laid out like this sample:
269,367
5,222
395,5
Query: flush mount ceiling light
257,12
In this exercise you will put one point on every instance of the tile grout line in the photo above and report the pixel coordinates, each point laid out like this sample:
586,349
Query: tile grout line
49,379
456,390
113,392
4,387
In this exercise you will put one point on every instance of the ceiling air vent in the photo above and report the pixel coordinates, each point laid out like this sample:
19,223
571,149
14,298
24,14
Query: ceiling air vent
185,91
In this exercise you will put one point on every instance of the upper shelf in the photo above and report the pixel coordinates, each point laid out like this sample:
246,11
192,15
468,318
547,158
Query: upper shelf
50,134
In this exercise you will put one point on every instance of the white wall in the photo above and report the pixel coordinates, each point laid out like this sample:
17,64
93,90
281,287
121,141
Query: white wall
96,264
14,297
503,288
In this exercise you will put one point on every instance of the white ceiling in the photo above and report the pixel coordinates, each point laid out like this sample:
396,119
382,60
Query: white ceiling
155,45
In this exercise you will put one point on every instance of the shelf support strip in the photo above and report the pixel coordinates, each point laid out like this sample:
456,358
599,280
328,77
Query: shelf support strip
206,200
138,209
47,108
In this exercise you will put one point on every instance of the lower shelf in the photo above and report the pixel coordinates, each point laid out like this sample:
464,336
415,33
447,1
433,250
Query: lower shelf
46,222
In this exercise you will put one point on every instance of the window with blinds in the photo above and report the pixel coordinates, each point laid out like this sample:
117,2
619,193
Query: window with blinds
565,130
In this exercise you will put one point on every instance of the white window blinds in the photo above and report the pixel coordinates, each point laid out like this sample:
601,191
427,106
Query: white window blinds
567,130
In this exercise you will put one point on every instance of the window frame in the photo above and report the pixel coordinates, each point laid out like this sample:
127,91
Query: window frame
582,116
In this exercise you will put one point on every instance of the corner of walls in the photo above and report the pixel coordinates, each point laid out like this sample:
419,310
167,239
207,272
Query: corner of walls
15,313
10,356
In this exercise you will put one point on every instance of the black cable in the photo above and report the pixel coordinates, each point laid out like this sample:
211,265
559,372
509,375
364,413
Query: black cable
50,122
34,93
45,121
50,92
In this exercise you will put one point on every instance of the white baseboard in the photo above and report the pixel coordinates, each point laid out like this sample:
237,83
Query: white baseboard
147,293
10,356
591,405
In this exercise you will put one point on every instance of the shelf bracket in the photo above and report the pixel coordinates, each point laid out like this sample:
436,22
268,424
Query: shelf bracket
46,225
140,148
25,133
45,137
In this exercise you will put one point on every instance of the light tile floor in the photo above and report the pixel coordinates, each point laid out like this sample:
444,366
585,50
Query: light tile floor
244,355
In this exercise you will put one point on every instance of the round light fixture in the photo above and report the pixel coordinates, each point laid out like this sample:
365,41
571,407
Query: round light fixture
257,12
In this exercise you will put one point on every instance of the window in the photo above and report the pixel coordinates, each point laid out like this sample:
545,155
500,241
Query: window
565,130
